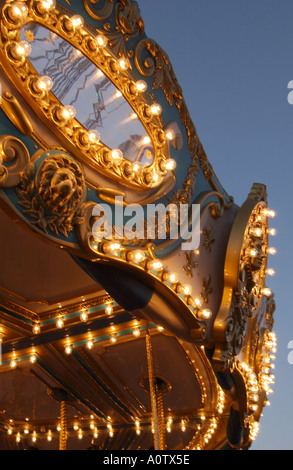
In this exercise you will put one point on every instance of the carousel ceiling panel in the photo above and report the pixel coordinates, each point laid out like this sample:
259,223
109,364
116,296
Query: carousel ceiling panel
37,275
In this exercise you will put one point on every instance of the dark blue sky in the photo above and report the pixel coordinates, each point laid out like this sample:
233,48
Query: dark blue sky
234,60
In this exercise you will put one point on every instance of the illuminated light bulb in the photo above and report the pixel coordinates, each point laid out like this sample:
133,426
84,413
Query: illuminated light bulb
172,277
122,64
47,5
271,251
33,358
109,310
197,302
34,437
253,252
169,165
116,155
138,256
136,332
183,427
266,292
22,49
186,289
80,434
96,434
83,316
272,231
101,40
43,84
205,314
18,11
155,265
68,349
141,86
90,344
36,329
18,438
113,339
66,113
60,323
256,232
13,364
10,431
94,136
77,21
160,328
75,427
155,109
269,213
271,272
136,167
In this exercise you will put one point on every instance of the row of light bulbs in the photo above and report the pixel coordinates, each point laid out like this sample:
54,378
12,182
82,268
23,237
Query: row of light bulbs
18,11
156,268
94,430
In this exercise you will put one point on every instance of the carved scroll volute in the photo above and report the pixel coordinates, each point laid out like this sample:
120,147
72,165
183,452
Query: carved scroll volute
15,154
99,10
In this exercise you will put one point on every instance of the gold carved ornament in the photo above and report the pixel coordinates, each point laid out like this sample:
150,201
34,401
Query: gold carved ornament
244,277
70,132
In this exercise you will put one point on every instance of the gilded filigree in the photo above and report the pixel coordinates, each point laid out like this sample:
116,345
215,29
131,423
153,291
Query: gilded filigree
14,158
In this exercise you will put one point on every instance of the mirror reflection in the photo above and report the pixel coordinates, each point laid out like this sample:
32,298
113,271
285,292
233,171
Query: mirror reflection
85,90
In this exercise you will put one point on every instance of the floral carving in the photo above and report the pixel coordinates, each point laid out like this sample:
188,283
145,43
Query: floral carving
209,238
54,198
206,289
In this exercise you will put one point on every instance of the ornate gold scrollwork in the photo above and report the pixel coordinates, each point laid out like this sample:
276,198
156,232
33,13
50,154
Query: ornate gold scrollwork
245,268
98,12
16,155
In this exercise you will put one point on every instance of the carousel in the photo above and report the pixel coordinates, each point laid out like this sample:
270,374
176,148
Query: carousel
115,333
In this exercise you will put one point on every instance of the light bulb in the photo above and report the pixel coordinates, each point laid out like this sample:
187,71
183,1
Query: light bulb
13,364
156,109
44,84
155,265
101,40
169,164
47,5
272,231
172,277
141,86
204,314
271,251
256,231
186,289
270,272
136,332
68,349
266,292
77,21
116,155
94,136
36,329
66,113
109,310
33,358
113,339
21,49
269,213
83,316
89,344
138,256
123,64
18,11
60,323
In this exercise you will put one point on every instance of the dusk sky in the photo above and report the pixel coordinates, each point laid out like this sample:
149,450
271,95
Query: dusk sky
234,61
